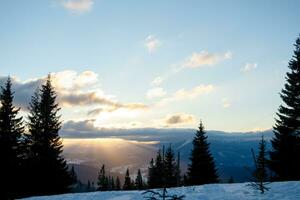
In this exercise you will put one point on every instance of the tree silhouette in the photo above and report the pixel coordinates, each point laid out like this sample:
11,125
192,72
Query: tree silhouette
11,130
285,155
260,175
202,169
48,169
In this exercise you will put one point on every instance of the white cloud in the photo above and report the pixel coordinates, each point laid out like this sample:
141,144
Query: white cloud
71,80
249,67
204,58
152,43
157,80
78,6
183,94
179,118
155,93
80,90
226,103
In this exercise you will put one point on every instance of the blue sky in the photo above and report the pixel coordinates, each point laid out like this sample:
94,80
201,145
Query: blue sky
221,61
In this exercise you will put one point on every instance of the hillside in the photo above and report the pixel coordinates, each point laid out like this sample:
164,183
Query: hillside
237,191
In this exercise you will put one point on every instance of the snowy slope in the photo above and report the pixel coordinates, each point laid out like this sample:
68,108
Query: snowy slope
238,191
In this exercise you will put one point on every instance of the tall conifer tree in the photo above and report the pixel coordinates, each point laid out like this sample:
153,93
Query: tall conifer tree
11,129
151,174
202,168
127,181
285,155
260,175
50,174
139,184
102,179
170,168
118,183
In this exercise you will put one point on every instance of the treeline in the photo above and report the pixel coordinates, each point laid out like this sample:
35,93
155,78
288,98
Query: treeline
164,170
109,183
30,150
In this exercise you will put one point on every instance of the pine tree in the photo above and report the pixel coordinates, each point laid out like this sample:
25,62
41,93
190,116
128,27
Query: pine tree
139,184
285,155
89,185
73,175
102,180
178,171
11,130
127,181
113,187
49,173
260,176
118,183
202,169
159,170
170,166
151,178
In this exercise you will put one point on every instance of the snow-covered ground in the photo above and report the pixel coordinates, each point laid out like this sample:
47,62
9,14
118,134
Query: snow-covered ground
236,191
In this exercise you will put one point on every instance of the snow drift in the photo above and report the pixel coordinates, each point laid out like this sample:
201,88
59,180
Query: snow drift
235,191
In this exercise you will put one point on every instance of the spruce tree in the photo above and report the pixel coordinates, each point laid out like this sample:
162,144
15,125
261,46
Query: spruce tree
139,184
285,153
113,187
118,183
127,182
178,171
88,186
260,176
170,174
202,168
159,170
11,130
151,173
73,175
102,180
49,173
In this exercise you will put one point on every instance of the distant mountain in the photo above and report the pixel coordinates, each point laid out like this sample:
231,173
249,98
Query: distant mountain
120,149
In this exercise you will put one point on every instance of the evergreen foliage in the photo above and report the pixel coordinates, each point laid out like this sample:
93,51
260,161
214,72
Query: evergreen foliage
202,168
164,171
118,184
260,176
48,169
127,182
102,180
73,175
139,184
285,153
170,168
11,130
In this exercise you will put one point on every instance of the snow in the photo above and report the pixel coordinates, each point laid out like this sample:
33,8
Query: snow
236,191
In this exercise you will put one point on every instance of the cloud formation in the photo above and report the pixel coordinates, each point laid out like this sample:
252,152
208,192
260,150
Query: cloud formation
157,80
73,89
71,80
204,58
78,6
152,43
23,90
249,67
116,106
155,93
226,103
183,94
179,118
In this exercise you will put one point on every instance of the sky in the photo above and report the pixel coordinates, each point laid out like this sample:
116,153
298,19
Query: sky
162,64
